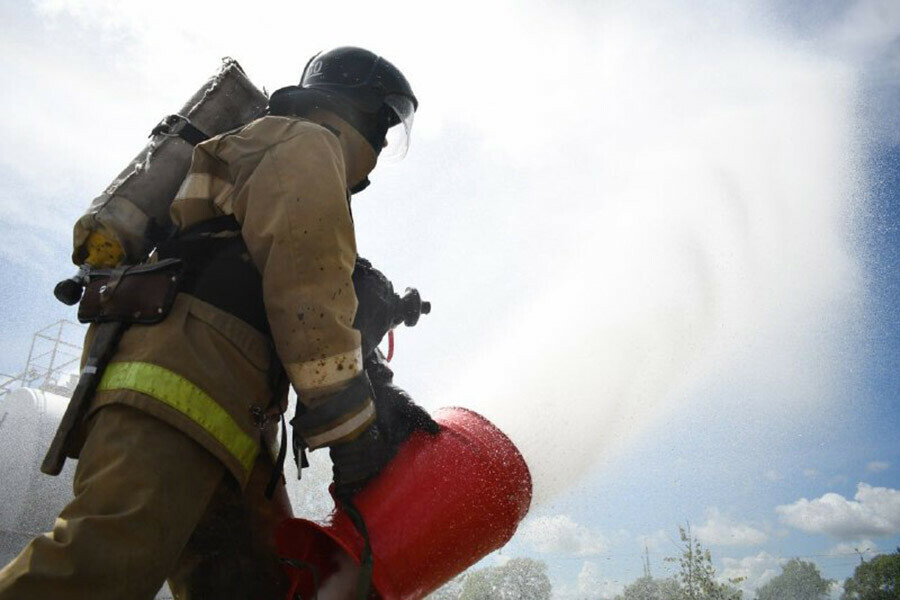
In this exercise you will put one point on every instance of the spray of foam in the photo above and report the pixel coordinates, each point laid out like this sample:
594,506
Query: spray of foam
698,223
685,172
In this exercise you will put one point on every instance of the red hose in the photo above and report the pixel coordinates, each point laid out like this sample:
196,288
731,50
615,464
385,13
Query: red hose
390,345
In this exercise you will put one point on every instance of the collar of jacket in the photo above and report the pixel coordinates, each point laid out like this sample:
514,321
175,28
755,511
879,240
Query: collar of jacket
359,156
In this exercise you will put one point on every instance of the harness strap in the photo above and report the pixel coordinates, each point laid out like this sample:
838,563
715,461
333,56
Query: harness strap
279,462
210,226
181,126
366,565
278,385
219,270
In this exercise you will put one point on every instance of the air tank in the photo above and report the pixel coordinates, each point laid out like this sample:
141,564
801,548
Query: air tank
134,208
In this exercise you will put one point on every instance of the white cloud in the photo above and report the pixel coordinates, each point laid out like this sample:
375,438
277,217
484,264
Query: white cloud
877,466
721,530
559,534
756,570
836,590
868,26
864,547
874,511
590,584
656,542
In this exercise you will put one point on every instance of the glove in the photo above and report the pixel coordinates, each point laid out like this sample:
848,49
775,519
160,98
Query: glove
357,461
397,418
344,420
377,304
359,457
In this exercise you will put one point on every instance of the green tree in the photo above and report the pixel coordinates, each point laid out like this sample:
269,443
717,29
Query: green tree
697,576
648,588
799,580
518,579
877,579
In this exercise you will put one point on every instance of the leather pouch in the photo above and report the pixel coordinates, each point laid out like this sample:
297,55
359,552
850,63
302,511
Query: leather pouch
141,294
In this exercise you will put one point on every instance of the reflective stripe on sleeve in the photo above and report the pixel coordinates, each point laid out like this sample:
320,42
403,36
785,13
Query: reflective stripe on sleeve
361,419
205,186
325,372
185,397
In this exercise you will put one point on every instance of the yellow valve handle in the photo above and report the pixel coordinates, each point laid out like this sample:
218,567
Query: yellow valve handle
103,251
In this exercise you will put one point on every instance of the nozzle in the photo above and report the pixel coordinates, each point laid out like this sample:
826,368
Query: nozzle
69,291
411,308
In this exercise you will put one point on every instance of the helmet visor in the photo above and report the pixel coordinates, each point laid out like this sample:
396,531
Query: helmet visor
397,138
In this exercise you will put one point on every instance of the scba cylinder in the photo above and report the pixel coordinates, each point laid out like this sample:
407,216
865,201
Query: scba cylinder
134,209
441,505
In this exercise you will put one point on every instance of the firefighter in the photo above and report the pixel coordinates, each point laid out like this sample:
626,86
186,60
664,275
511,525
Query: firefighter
178,446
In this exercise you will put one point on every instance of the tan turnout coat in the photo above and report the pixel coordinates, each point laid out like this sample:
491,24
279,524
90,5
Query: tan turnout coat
203,370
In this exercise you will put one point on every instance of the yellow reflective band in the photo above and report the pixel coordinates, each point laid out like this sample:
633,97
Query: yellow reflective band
185,397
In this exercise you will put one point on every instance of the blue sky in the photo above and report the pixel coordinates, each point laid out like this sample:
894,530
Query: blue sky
661,242
709,471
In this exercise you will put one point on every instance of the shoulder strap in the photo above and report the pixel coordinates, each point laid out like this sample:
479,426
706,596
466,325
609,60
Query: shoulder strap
209,227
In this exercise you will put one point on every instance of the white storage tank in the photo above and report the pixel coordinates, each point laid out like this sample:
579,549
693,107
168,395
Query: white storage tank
29,500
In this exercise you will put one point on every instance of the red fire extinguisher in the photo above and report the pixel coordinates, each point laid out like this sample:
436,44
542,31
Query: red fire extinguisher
441,505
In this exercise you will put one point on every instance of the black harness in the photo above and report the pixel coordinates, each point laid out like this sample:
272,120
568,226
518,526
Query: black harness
218,269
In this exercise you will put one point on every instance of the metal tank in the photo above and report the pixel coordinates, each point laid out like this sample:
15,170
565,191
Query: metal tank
135,206
29,500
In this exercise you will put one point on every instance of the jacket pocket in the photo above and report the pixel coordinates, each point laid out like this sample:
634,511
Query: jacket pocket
252,344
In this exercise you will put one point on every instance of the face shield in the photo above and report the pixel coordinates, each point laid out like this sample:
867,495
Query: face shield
397,137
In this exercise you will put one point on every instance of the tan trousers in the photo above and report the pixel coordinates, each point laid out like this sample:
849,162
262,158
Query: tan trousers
150,503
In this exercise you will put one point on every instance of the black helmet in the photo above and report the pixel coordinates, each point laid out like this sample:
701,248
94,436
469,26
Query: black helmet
361,87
